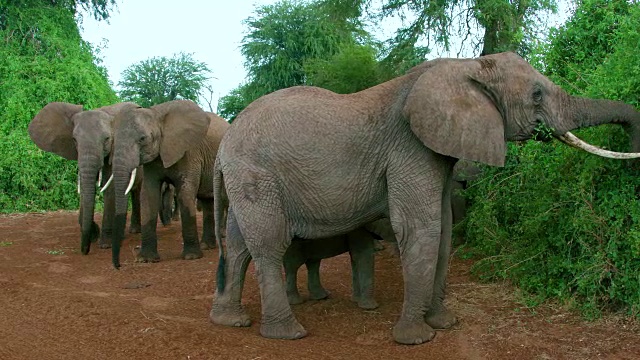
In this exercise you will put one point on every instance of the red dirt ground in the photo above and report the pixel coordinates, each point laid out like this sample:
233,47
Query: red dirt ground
58,304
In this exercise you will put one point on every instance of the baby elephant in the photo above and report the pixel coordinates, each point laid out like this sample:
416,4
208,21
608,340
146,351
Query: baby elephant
360,245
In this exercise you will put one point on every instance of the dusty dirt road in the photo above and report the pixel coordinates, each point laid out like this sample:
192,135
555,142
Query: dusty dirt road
58,304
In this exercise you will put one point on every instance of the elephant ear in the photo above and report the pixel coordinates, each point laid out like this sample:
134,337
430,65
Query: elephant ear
185,124
52,129
452,110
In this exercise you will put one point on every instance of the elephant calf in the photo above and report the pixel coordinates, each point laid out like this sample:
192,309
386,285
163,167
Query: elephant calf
360,245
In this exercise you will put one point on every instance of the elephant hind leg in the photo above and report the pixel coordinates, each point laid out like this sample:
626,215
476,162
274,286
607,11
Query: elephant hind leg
268,237
227,309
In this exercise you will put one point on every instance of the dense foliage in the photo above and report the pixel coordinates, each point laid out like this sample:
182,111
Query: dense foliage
301,43
556,221
161,79
42,59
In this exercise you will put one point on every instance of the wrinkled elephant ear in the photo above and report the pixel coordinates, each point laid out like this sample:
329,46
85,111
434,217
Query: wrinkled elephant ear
52,129
185,124
452,111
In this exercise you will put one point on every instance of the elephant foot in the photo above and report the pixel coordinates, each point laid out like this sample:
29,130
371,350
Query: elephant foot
192,253
367,303
134,229
412,332
289,330
318,294
441,319
229,316
295,299
89,237
208,244
146,256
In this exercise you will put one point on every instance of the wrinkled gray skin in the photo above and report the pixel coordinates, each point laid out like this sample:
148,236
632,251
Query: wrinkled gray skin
169,209
175,142
360,245
307,162
86,136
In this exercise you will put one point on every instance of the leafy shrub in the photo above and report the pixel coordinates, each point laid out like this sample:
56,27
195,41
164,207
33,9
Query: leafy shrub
42,59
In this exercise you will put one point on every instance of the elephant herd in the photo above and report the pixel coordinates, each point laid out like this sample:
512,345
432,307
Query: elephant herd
305,174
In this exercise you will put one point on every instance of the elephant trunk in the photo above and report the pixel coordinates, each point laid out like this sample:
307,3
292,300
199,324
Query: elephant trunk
121,177
90,165
583,112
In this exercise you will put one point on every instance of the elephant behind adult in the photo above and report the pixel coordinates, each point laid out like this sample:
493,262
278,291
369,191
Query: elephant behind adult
86,136
311,163
175,142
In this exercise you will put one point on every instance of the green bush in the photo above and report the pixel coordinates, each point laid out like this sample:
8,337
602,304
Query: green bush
42,59
558,222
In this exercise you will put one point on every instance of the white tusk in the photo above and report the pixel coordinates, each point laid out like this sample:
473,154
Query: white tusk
78,183
570,139
131,181
99,177
107,184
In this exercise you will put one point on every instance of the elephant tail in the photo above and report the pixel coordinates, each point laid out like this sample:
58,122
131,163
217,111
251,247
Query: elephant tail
220,202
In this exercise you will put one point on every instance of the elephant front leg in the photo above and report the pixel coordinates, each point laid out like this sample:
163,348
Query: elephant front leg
438,316
150,206
187,200
415,196
361,250
316,290
208,225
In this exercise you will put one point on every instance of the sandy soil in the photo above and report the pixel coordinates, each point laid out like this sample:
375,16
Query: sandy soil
58,304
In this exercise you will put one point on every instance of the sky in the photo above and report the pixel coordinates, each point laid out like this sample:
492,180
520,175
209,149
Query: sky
211,30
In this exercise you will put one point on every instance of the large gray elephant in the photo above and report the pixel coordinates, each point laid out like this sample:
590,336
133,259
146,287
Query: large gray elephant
86,136
307,162
175,142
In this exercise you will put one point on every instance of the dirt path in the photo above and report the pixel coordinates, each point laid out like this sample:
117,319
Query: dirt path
58,304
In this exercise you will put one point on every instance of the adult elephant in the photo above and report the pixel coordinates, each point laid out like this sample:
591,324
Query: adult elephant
86,136
307,162
175,142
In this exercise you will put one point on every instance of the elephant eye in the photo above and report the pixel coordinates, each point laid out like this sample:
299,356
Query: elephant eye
142,138
537,96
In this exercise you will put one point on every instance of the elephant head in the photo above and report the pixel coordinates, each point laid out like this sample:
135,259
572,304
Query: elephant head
86,136
469,108
164,133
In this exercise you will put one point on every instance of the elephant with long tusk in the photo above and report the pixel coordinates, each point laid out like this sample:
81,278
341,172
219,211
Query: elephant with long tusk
306,162
176,143
86,136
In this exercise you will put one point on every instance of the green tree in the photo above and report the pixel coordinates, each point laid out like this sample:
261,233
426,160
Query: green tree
42,59
161,79
282,41
504,24
99,9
